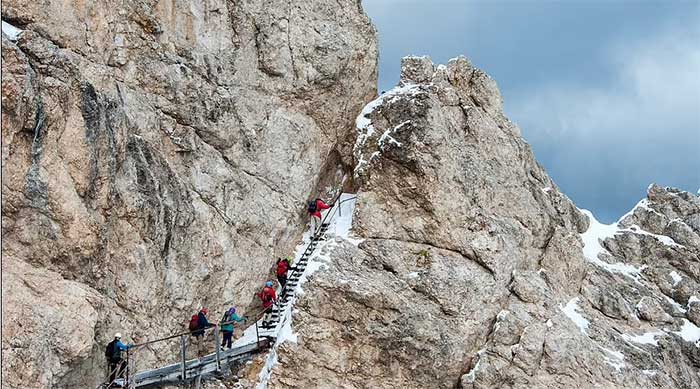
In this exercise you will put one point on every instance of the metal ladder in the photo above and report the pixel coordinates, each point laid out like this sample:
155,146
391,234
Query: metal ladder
293,280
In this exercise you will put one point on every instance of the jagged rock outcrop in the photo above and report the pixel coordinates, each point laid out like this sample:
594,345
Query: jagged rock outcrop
156,156
477,272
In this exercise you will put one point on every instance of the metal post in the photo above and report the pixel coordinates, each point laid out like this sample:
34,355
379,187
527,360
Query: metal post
184,358
128,362
257,334
130,373
218,349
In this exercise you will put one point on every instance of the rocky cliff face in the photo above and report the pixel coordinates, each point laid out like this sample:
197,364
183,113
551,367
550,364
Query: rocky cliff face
156,156
475,271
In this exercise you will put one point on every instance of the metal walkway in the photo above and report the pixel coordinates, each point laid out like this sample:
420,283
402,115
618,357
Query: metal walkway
213,364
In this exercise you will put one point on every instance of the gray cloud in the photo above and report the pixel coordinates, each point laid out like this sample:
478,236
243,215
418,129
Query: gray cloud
605,92
614,139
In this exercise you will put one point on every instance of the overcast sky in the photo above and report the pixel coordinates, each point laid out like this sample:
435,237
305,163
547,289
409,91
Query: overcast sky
606,92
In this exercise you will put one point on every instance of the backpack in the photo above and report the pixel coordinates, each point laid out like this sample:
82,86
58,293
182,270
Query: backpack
265,295
109,352
113,353
194,322
312,206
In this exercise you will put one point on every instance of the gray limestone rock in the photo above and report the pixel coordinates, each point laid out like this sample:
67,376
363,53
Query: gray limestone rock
156,156
472,272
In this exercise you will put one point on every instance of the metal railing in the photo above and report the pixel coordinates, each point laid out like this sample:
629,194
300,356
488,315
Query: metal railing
131,374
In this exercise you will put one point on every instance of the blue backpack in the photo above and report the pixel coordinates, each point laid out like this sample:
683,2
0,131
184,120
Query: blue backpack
312,206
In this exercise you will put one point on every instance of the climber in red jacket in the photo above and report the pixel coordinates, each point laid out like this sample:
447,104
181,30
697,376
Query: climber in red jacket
269,298
282,268
314,208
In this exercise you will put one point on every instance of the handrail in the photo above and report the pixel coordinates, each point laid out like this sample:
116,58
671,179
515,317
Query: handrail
337,205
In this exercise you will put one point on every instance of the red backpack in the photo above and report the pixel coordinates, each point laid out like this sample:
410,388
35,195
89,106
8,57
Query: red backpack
194,322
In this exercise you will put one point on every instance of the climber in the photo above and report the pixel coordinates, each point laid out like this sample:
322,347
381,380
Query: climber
269,298
113,353
283,266
314,208
198,324
227,328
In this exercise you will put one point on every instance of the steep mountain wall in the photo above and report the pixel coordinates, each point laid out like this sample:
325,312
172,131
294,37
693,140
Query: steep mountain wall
477,272
156,157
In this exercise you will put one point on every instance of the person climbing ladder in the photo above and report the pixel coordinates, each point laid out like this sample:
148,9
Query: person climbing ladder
283,266
269,299
314,208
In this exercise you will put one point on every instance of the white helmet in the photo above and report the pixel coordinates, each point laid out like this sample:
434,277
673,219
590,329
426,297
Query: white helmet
118,335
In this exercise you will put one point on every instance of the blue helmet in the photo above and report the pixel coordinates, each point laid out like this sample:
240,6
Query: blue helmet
268,284
231,311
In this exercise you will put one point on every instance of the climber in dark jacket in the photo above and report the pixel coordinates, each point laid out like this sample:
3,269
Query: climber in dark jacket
202,324
117,364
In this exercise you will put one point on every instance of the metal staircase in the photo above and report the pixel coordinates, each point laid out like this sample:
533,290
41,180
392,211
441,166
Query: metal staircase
286,294
213,363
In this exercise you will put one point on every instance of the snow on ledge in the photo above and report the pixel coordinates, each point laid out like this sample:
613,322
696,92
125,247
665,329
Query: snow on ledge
693,299
570,310
598,232
645,338
11,31
365,127
615,358
675,277
689,332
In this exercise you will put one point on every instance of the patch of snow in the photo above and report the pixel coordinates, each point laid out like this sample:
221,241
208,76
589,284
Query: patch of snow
570,310
386,135
645,338
689,332
340,225
286,334
635,229
471,376
11,31
615,360
549,323
676,277
366,129
547,190
649,372
675,304
642,204
413,274
592,247
693,299
266,372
